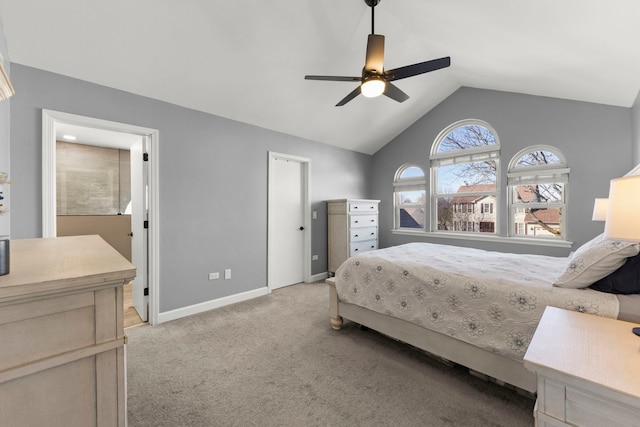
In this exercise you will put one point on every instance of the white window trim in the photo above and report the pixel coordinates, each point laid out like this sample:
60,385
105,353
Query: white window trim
543,174
408,184
487,237
465,155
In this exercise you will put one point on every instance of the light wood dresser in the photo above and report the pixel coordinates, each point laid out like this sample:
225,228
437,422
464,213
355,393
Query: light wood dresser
352,229
61,334
588,370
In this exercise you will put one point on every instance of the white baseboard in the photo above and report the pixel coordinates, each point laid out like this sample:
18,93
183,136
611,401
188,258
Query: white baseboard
318,277
210,305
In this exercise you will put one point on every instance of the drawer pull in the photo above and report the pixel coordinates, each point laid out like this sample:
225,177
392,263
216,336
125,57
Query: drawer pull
356,236
355,250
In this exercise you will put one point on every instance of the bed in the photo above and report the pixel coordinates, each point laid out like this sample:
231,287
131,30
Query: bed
474,307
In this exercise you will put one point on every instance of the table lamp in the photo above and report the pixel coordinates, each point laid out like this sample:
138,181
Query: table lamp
623,222
600,209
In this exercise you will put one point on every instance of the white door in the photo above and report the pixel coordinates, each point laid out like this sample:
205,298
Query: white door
139,238
287,222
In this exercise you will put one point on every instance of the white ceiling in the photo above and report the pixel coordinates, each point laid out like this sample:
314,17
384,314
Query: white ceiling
94,136
246,59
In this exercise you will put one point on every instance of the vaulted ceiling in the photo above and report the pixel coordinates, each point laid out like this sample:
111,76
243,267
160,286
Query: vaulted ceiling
246,59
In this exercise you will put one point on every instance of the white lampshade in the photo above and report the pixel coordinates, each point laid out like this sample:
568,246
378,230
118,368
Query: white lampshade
600,209
623,213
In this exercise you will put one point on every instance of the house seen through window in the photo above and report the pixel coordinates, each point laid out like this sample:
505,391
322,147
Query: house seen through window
537,185
465,169
464,194
410,198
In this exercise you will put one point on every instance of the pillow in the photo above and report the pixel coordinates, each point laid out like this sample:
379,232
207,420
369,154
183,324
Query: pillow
625,280
594,260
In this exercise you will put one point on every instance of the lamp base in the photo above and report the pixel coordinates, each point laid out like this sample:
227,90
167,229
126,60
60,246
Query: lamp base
4,256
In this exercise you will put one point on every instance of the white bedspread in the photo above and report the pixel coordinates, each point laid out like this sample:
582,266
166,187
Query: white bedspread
489,299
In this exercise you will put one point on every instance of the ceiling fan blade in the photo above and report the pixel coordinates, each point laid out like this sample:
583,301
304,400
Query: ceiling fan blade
393,92
416,69
375,54
349,97
334,78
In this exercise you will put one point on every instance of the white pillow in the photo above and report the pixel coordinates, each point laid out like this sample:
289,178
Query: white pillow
594,260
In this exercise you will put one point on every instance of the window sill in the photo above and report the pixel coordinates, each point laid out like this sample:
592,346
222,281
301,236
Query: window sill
487,238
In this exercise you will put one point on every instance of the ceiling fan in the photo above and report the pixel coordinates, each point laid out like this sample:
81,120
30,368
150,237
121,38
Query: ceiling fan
375,81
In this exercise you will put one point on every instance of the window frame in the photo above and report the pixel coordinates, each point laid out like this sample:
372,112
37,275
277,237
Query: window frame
408,184
544,174
466,155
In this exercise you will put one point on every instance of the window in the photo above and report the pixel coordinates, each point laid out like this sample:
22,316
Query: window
538,178
410,199
465,170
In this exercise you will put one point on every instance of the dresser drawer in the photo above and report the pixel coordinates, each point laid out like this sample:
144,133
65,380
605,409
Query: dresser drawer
360,247
363,220
363,233
584,409
363,207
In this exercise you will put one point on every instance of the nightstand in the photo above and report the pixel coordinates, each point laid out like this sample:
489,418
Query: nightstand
588,370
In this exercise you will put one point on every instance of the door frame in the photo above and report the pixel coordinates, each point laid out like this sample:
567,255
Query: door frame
49,120
305,164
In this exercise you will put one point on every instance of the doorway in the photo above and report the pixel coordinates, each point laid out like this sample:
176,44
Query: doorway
142,144
289,242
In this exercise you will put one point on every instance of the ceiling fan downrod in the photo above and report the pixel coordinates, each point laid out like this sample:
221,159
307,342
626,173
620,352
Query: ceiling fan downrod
372,4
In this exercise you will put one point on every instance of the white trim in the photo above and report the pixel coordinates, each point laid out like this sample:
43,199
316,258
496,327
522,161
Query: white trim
550,148
460,123
179,313
49,120
306,185
408,184
539,174
488,237
437,160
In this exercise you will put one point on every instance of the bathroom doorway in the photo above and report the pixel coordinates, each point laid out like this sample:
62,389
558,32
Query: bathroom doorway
137,146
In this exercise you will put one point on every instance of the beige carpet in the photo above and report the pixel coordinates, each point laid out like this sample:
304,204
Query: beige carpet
275,361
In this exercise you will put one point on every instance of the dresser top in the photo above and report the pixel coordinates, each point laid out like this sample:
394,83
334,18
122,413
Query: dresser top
586,348
353,200
60,264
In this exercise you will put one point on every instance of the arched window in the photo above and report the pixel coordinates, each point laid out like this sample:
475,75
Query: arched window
410,198
465,161
538,179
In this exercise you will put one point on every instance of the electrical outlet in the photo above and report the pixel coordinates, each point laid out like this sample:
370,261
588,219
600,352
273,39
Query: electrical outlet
227,274
314,258
314,215
214,276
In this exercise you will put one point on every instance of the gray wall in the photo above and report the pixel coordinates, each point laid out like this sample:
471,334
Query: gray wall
213,182
635,118
595,138
5,220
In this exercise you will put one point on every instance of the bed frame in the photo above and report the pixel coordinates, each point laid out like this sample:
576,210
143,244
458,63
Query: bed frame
499,368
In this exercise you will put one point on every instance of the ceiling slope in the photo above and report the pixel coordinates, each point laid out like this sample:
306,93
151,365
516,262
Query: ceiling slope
246,59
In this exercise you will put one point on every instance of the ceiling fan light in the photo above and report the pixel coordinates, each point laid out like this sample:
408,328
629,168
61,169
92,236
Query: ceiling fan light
372,87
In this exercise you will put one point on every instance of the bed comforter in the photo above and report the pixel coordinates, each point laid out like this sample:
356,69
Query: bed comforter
489,299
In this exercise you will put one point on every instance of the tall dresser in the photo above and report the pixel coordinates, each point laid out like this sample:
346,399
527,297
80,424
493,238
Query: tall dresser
61,334
353,229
